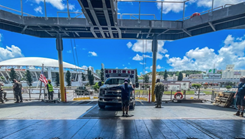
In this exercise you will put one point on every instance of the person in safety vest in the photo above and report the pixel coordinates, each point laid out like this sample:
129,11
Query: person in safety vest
17,87
50,90
159,89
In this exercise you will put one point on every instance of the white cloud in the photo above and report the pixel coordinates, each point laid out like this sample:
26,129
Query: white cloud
68,51
145,46
92,53
38,10
208,3
123,65
167,55
56,3
142,63
125,68
116,67
178,7
59,4
71,7
84,67
201,59
129,44
159,67
10,52
138,57
168,7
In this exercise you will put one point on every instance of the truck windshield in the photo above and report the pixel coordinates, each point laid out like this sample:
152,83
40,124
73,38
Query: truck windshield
114,81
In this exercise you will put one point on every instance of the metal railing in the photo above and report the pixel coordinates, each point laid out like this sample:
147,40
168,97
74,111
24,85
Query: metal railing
23,13
135,15
78,14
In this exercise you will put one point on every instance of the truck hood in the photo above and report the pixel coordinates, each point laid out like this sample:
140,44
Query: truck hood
110,86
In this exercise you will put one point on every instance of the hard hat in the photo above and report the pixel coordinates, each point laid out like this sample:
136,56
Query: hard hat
49,80
126,80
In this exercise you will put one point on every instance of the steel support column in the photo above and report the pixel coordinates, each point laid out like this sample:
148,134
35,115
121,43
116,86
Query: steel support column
59,47
154,53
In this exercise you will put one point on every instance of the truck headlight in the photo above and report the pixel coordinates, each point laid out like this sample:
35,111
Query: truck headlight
119,91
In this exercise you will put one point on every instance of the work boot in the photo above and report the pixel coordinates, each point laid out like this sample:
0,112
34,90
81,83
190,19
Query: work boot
21,101
5,99
16,102
237,113
241,115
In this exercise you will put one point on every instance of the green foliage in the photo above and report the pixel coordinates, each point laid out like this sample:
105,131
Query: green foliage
146,78
165,75
68,78
96,86
13,74
57,79
171,73
102,74
180,76
90,77
83,77
1,78
196,86
228,87
28,78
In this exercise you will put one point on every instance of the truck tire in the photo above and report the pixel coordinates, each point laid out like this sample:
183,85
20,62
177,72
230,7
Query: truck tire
101,106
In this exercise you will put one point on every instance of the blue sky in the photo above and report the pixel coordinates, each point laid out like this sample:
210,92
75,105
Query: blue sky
199,52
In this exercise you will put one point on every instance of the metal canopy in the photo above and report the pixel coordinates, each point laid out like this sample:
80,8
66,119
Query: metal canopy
101,23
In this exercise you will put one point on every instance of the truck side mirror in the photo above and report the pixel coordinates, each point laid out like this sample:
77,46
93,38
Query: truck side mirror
100,84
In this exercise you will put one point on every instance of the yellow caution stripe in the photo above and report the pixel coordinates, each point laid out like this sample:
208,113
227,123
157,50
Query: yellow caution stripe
142,98
81,98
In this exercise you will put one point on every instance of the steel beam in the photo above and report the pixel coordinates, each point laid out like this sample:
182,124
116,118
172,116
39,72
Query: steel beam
164,32
46,31
59,47
63,31
95,18
77,34
23,30
114,13
92,30
149,33
154,63
107,18
187,32
119,32
212,26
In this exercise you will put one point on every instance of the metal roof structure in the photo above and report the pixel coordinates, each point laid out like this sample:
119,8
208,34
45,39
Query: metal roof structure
102,22
37,61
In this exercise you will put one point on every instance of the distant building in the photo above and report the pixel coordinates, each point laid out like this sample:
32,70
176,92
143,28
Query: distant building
98,72
230,73
214,76
102,66
196,76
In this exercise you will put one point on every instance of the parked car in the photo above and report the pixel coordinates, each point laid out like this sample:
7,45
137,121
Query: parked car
201,93
83,91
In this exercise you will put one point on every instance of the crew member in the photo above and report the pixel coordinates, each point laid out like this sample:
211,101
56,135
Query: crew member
2,94
17,87
240,95
159,89
125,96
50,90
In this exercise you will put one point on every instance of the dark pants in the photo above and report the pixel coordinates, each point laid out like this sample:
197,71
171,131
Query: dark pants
18,96
159,98
2,96
240,101
50,95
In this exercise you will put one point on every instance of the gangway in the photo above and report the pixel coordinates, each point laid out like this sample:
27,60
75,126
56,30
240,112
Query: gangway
101,22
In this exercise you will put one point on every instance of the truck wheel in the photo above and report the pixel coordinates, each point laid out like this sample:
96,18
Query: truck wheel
101,106
132,106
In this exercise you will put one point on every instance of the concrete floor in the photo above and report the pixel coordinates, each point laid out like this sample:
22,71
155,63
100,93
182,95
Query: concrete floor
84,119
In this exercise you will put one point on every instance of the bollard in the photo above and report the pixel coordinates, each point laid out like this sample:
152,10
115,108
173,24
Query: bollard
65,94
149,95
184,94
171,95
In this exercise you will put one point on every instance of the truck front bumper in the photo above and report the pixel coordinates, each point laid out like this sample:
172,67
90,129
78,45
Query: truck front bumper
113,100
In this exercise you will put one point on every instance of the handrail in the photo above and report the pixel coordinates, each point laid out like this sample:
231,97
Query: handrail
79,13
132,15
15,10
204,12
